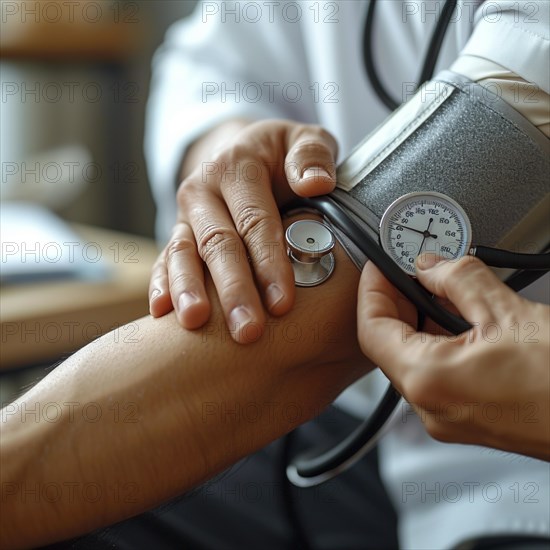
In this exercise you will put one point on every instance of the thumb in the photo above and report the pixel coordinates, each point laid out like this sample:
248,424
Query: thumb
469,284
310,165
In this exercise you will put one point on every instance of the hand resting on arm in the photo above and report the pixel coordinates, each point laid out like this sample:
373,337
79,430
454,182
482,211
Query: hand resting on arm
181,397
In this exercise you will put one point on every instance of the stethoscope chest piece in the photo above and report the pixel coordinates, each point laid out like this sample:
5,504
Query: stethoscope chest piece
310,244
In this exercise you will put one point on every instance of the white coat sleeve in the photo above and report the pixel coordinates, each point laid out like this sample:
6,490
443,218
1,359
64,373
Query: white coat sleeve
514,35
222,62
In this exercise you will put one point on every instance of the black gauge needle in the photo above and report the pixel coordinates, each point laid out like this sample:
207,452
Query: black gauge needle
425,233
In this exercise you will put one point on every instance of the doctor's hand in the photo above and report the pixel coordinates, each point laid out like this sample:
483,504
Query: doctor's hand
228,219
489,386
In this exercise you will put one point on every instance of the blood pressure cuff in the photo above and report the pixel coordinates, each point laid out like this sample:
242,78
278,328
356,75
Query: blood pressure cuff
461,139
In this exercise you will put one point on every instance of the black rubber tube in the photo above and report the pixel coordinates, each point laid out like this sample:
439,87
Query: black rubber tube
514,260
430,60
409,287
308,466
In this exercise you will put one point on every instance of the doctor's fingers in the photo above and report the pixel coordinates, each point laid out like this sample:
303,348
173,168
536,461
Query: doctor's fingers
186,278
422,366
251,204
239,197
470,285
220,247
386,333
177,281
160,302
310,162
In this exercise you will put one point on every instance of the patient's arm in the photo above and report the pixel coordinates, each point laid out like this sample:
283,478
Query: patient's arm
129,422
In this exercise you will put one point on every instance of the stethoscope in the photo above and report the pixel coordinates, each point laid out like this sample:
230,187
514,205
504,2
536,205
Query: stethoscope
310,247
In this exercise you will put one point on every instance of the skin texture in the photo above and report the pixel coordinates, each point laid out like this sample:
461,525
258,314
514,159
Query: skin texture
143,415
224,208
228,210
489,386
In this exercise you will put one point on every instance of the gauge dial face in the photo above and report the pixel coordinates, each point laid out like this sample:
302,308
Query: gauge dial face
424,222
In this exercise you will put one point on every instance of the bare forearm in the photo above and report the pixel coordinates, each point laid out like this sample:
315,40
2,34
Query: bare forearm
147,415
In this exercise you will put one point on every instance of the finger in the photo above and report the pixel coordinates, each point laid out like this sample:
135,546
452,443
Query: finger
186,278
221,248
250,201
310,162
160,302
405,310
385,326
469,284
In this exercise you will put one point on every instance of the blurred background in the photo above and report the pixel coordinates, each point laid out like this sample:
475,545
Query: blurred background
75,78
74,81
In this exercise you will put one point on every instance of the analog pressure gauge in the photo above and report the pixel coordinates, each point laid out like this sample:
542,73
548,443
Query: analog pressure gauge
424,222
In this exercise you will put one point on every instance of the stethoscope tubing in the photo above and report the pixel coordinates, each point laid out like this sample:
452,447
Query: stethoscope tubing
306,470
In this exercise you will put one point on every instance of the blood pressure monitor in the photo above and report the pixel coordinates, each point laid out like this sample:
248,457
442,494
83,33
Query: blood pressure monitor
388,207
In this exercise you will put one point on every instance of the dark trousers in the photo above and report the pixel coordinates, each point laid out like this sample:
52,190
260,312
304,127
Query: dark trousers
251,506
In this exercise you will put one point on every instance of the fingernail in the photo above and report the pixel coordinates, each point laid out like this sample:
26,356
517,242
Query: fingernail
239,317
155,294
274,295
315,172
292,173
427,260
186,300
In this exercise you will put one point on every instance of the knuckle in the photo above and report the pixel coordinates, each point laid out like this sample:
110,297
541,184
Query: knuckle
159,266
454,273
318,135
266,257
214,242
251,219
229,157
179,281
310,148
421,385
324,135
236,150
179,246
232,287
186,192
157,279
463,267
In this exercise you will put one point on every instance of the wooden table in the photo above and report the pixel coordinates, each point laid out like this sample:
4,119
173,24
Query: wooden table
43,322
77,30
